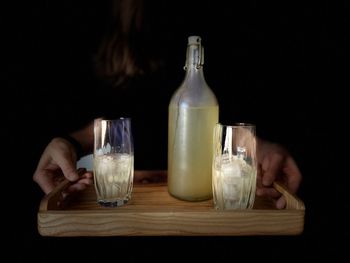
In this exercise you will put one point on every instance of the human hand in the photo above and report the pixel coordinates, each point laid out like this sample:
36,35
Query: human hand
276,164
57,162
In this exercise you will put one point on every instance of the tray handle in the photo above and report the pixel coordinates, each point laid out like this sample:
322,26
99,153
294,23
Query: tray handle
293,202
54,199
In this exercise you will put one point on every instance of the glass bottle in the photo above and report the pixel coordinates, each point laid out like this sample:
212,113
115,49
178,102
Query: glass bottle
193,113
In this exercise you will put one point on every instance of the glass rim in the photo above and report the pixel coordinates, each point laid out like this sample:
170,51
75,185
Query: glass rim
237,124
111,120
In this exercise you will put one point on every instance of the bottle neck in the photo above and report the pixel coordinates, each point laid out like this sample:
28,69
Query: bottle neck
194,60
194,56
193,72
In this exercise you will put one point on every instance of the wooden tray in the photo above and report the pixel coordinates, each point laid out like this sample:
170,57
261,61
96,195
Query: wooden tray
153,212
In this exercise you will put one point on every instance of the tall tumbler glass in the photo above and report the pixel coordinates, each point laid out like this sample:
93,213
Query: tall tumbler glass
113,161
234,166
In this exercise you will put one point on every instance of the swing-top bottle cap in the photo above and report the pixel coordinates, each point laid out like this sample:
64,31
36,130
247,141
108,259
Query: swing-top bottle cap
194,40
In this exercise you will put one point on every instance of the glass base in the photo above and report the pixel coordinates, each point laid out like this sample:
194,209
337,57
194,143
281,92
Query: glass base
116,203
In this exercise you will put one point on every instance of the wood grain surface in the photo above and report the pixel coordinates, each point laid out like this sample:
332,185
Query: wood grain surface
153,212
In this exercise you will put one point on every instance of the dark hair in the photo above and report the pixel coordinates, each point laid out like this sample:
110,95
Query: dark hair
124,51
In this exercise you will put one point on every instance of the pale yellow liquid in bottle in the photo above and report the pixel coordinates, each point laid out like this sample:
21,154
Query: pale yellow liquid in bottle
190,151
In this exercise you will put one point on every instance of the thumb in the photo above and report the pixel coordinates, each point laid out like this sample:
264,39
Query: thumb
70,173
67,164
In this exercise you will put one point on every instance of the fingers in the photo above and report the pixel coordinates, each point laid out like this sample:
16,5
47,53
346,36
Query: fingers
267,191
281,202
293,175
86,179
87,174
58,155
82,184
45,179
274,166
275,163
271,167
63,155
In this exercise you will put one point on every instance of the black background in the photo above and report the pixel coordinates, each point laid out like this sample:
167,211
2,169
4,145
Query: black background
288,59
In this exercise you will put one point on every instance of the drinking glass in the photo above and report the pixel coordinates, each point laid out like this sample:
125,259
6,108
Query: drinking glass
113,161
234,166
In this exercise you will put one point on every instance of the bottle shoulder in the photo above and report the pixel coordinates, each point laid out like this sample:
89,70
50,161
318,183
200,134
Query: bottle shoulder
194,92
184,96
